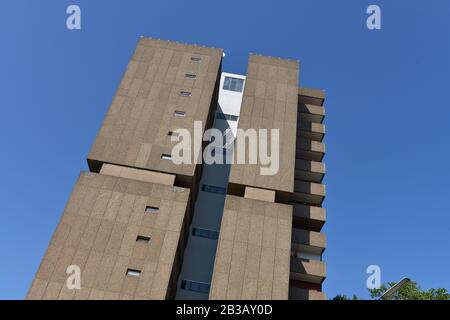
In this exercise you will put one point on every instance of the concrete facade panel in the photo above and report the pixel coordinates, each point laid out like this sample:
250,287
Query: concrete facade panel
253,251
270,102
104,246
134,132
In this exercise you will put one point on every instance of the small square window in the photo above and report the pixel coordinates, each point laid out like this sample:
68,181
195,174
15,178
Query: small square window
133,272
179,114
195,59
166,156
143,239
185,93
191,76
151,209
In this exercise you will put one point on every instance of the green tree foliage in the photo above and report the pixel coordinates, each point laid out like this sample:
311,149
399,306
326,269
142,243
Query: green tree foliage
411,291
344,297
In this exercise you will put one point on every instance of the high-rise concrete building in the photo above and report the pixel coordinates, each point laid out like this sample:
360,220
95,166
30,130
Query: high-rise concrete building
139,226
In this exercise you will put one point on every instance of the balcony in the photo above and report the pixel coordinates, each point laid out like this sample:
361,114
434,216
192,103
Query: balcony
310,242
311,171
308,217
296,293
311,113
310,130
308,192
306,266
310,271
310,150
311,96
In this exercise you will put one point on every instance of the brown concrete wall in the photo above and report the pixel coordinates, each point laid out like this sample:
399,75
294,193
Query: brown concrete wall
270,102
98,232
252,258
310,271
308,217
138,174
305,294
259,194
309,238
311,96
135,130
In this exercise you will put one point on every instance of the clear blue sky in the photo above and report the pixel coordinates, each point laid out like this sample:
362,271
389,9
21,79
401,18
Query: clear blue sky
388,117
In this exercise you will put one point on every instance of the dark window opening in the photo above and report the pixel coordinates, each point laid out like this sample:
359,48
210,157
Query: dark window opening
195,286
151,209
213,189
225,116
179,114
143,239
133,272
205,233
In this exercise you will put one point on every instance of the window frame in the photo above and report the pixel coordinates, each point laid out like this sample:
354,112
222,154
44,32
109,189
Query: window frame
195,286
233,84
180,114
151,209
213,189
185,93
143,239
133,272
205,233
225,116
